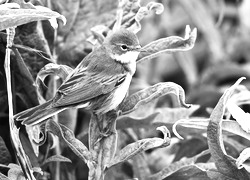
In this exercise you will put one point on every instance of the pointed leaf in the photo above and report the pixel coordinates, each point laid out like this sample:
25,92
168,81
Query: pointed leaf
56,158
142,145
169,45
16,17
224,163
149,94
68,136
229,126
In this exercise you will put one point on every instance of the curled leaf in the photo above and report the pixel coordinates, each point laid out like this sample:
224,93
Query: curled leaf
149,94
169,45
16,17
224,163
144,11
68,136
133,13
133,149
51,69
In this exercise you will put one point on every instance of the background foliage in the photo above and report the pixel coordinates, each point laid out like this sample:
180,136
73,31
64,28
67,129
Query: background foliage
220,57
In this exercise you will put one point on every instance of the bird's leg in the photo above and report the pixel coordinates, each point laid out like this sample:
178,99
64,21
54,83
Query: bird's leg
107,124
110,127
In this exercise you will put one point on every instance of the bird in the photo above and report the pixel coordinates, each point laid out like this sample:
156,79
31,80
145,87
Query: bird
99,83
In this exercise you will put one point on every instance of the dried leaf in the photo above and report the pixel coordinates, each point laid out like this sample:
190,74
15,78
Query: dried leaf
169,45
16,17
142,145
146,95
56,158
224,163
68,136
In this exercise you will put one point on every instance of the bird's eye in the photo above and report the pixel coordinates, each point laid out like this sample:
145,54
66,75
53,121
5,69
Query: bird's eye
124,47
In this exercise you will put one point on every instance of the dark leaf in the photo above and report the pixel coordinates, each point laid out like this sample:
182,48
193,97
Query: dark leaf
5,157
68,136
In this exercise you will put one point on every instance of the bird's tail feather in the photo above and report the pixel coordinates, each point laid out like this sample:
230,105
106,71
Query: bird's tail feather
38,114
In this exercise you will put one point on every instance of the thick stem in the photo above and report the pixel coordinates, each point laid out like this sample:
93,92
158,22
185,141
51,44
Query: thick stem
102,143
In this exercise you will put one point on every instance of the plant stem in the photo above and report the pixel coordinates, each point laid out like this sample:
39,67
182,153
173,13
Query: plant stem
14,132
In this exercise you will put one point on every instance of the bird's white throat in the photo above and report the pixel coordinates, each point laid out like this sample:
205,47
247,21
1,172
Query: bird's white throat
127,57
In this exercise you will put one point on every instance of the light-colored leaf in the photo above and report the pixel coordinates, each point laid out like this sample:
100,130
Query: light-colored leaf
15,172
239,115
16,17
56,158
244,155
133,149
169,45
9,6
229,126
149,94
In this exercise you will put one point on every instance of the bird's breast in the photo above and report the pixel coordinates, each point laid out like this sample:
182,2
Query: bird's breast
117,96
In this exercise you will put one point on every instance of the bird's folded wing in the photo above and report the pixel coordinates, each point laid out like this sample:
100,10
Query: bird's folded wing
81,87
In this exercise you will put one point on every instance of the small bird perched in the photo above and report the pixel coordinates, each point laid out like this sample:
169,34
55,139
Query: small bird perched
99,83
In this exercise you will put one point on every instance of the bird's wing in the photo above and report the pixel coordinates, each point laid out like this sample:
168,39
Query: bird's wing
84,85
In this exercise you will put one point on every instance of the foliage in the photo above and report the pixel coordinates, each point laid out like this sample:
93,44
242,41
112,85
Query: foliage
37,54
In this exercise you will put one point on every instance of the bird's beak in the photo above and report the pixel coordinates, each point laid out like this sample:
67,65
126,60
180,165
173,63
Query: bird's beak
139,49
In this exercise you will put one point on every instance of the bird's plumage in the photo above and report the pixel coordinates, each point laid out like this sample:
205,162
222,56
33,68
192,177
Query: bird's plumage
99,83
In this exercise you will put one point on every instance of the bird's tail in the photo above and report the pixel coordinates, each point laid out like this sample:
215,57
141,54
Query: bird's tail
38,114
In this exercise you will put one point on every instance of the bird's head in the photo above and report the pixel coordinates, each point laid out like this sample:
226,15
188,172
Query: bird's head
123,45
